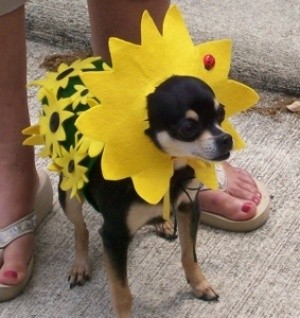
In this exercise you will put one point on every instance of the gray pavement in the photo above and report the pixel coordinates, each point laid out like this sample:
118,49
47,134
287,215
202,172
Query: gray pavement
257,274
265,34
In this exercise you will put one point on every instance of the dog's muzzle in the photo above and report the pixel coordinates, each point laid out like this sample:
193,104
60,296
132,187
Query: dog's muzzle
223,144
215,148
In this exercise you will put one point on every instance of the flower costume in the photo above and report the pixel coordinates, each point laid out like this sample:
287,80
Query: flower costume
110,111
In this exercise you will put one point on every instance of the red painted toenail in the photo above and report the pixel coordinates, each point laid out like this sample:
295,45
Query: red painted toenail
10,274
246,207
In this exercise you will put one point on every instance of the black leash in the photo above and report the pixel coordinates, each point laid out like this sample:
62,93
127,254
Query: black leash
196,213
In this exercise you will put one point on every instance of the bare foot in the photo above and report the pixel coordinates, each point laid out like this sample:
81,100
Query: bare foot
240,199
237,203
240,184
222,203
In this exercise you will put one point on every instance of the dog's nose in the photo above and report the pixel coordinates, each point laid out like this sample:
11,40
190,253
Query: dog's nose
225,142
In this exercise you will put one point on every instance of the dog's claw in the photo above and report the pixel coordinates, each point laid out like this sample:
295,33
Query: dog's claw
79,273
77,280
168,237
209,298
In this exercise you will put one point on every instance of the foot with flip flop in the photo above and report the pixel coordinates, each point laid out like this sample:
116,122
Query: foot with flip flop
17,241
242,206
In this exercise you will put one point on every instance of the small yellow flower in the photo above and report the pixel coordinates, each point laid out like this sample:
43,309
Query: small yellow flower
83,97
60,79
54,114
73,173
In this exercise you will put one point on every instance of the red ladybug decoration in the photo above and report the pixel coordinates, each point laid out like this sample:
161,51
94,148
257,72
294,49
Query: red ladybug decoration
209,61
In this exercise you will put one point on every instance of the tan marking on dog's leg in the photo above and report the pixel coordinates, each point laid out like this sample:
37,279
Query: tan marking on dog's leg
80,270
120,292
192,269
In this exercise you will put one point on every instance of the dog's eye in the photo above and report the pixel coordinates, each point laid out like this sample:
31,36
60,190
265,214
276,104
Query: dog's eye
188,129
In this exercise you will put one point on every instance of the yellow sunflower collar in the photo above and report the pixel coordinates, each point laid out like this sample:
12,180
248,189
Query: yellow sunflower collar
121,119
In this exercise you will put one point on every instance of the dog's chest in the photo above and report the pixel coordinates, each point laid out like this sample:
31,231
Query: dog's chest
140,214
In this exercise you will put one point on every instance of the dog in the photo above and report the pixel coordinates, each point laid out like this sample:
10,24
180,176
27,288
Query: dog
184,121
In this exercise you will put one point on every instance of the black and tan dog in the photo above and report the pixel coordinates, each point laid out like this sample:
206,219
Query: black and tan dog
184,121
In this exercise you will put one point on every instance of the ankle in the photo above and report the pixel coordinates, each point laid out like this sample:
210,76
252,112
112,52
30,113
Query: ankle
18,183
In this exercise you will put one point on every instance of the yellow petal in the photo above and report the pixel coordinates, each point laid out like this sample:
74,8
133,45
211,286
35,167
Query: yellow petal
238,142
205,172
34,140
149,31
236,97
31,130
95,148
172,34
153,184
53,167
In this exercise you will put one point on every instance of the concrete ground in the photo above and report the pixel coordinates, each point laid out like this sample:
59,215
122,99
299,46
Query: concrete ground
257,274
265,34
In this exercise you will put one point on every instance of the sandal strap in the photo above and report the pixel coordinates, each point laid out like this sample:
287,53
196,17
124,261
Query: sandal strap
21,227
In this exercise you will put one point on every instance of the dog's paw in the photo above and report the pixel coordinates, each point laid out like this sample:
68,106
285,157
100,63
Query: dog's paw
209,296
79,274
165,230
204,292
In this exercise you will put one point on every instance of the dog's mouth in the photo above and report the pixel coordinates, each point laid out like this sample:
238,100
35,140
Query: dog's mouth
222,157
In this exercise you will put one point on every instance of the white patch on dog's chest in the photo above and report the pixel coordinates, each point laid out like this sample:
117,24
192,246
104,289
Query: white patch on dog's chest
140,213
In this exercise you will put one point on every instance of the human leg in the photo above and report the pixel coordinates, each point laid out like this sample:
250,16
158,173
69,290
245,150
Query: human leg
121,18
18,177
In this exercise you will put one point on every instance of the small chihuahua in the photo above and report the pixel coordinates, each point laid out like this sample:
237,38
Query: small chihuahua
184,121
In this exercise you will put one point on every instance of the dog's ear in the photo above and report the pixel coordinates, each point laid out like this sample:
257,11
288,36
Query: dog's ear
161,107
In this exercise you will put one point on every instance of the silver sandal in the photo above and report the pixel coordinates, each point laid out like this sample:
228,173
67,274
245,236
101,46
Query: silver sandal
21,227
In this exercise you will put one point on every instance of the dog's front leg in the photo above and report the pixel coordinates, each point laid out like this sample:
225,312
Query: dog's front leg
187,236
80,270
116,244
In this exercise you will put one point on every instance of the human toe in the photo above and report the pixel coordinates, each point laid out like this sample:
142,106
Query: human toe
16,258
226,205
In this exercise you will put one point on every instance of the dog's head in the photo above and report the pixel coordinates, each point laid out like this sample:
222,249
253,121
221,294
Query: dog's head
185,118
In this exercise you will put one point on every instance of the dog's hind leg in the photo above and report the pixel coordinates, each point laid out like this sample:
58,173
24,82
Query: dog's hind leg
116,241
80,270
187,236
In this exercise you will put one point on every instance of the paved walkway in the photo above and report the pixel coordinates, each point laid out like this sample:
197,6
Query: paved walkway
265,33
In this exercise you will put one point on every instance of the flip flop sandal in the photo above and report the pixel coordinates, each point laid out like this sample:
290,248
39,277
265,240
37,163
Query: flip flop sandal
262,214
42,206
